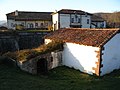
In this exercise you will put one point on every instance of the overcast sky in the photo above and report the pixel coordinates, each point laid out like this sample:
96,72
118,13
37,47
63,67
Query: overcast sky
91,6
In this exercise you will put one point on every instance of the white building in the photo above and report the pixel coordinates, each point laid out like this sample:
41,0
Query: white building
67,18
29,20
97,22
93,51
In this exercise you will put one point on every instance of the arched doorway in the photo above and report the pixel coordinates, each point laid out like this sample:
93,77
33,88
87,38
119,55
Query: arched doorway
42,66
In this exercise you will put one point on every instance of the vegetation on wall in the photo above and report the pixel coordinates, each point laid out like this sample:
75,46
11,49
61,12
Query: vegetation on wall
32,53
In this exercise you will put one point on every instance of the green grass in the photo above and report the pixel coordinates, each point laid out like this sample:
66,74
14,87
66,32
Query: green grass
61,78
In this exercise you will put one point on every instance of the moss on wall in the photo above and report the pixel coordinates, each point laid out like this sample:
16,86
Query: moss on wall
28,54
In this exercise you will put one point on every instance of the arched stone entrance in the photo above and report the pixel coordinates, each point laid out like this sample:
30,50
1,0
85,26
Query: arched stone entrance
42,66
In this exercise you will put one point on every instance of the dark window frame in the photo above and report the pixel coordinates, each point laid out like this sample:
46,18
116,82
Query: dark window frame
88,21
72,20
79,20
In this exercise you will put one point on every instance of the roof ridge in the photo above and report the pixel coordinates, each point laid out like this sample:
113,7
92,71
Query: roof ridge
91,29
89,37
107,39
72,10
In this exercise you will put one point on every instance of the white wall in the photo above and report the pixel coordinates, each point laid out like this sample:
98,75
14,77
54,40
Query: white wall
45,24
99,24
84,21
10,24
27,24
93,26
64,20
57,59
111,55
55,20
104,24
80,57
75,21
46,41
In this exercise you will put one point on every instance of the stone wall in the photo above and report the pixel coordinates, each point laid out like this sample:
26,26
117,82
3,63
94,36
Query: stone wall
54,59
8,43
19,41
30,40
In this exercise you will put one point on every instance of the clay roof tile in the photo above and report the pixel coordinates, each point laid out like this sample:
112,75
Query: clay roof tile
90,37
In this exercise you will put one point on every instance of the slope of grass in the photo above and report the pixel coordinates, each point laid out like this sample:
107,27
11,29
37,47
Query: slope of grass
61,78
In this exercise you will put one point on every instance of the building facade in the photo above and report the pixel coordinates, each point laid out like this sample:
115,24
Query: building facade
92,51
29,20
97,22
67,18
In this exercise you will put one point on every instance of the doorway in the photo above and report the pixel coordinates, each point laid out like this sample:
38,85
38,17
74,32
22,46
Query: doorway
42,66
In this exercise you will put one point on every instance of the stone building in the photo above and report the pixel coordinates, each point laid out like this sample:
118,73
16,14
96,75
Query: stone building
29,20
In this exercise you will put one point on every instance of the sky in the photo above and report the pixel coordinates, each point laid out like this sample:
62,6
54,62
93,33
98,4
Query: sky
91,6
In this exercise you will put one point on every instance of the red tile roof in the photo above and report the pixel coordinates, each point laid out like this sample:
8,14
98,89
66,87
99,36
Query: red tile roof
89,37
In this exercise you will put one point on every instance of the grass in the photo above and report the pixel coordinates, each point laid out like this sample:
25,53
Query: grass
61,78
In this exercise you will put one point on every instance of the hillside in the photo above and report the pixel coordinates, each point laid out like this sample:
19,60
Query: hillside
3,23
113,19
61,78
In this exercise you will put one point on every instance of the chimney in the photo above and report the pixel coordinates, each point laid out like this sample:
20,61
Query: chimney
85,14
56,11
16,13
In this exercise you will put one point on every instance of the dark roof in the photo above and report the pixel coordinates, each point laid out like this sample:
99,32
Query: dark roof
89,37
3,28
70,11
22,15
95,18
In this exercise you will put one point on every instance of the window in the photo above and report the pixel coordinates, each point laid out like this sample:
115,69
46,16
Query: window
85,14
78,20
72,20
22,24
12,25
88,21
46,24
101,25
36,24
28,25
41,24
76,17
31,25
